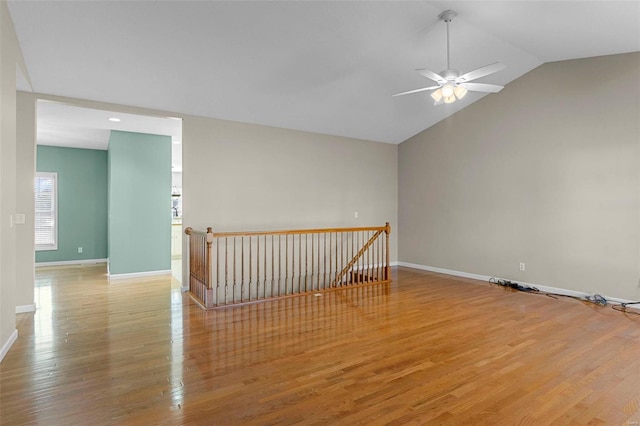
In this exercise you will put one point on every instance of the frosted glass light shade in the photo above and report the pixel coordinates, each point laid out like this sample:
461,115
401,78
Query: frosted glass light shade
447,90
449,99
460,92
437,95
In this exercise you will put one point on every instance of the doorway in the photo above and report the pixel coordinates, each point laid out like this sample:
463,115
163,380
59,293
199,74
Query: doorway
69,136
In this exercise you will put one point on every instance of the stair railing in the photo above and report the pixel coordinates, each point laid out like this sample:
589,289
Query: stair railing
227,268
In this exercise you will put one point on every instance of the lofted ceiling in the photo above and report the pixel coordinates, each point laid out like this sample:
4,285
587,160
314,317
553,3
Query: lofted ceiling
326,67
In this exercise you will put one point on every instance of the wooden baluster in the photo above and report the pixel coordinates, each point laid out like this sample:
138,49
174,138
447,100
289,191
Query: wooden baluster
272,268
217,271
344,254
312,260
226,269
286,264
242,270
369,259
351,257
387,274
258,268
336,265
360,263
279,265
250,267
324,277
299,264
264,283
370,269
233,289
306,260
377,258
362,258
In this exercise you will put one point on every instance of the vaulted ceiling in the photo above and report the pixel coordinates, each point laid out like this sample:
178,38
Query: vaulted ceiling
327,67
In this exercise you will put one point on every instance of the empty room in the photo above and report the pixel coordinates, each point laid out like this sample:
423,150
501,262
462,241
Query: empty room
287,212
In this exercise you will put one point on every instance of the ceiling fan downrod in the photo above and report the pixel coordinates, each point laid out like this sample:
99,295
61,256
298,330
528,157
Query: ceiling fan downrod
447,16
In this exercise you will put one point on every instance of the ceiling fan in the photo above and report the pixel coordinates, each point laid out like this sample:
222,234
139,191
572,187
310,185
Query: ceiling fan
452,85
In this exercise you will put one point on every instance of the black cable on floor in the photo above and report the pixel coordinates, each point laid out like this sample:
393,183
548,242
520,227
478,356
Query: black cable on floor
596,298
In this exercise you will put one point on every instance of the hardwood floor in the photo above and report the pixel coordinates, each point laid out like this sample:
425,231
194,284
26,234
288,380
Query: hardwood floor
426,349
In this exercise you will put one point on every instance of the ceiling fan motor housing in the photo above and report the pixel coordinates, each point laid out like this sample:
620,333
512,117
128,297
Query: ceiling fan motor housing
450,75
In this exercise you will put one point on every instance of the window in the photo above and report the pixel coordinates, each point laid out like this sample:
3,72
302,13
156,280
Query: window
46,219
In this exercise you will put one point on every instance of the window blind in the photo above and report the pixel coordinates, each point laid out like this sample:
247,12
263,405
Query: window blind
46,216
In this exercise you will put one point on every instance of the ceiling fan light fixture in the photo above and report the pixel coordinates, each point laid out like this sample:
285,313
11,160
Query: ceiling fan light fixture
460,92
437,95
447,90
449,99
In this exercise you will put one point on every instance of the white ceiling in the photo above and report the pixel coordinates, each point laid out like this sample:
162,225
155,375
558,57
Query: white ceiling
327,67
60,124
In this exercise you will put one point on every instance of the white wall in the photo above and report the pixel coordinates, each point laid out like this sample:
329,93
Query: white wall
25,203
10,57
546,172
241,176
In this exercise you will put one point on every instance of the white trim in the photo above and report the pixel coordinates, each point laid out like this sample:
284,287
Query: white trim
444,271
21,309
543,288
185,288
71,262
8,344
139,274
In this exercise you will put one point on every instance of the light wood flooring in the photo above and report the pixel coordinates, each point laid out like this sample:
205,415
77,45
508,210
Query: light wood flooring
427,349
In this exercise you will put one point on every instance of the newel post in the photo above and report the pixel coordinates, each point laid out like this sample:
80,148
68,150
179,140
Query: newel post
387,274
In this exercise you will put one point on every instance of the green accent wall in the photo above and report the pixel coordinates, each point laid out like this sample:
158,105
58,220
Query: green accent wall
82,202
139,188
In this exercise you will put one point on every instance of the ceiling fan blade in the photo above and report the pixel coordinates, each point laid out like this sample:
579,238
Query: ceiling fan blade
432,76
416,91
481,72
482,87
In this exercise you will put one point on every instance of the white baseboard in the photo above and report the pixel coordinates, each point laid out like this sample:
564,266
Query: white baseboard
139,274
20,309
71,262
543,288
7,345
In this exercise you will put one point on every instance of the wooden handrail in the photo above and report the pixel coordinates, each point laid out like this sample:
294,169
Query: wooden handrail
295,231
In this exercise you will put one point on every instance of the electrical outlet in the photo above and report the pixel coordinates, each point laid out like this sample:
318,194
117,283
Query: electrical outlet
79,249
522,266
355,215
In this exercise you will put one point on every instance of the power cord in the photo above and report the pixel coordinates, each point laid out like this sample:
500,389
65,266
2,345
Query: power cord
513,285
595,298
622,307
